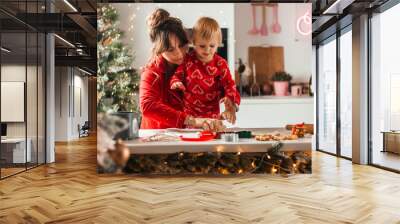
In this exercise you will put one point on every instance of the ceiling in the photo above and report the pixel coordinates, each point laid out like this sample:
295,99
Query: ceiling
332,15
72,20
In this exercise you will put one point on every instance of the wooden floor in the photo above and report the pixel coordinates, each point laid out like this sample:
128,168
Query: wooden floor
10,171
5,172
70,191
387,159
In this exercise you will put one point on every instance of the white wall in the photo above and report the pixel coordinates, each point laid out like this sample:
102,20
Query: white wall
133,22
80,83
34,124
12,73
61,103
274,112
297,48
66,101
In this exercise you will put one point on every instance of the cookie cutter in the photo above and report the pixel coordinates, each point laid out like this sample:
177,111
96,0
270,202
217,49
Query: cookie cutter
230,137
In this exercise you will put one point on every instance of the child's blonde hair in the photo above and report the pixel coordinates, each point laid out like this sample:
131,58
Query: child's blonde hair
206,28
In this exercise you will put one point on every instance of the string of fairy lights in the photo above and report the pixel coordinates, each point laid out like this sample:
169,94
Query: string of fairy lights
213,160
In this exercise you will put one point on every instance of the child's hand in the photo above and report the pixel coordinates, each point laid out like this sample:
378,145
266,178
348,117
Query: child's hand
229,115
229,105
230,110
178,85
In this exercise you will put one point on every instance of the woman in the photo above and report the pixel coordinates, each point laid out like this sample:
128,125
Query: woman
162,107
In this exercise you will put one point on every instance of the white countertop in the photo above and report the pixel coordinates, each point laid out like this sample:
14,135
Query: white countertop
277,99
137,146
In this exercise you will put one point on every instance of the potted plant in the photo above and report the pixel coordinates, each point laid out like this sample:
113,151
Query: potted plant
281,81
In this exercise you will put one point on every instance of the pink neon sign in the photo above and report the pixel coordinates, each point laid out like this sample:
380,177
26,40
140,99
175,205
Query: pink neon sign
306,20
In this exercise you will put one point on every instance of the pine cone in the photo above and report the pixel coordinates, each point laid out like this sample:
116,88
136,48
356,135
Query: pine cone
107,41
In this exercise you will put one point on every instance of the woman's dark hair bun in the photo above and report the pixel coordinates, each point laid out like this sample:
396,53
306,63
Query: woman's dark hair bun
161,25
156,18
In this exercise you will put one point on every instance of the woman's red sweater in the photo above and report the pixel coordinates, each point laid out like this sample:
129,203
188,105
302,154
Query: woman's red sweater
161,107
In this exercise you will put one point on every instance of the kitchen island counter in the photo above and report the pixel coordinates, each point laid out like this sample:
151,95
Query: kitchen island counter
138,146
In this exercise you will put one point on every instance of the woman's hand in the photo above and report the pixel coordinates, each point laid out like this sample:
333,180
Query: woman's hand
230,110
208,124
214,125
178,85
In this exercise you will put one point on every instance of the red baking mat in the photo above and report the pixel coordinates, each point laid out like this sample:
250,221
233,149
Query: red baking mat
204,136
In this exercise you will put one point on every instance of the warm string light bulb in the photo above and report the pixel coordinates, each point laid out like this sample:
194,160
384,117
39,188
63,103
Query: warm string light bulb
273,170
294,167
224,171
238,153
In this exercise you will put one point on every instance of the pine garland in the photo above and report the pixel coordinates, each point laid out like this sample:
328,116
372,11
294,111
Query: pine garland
272,161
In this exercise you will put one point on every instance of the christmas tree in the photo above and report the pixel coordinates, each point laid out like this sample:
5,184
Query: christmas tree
117,80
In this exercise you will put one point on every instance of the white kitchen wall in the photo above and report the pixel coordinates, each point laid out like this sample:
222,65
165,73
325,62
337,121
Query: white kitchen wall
133,22
297,48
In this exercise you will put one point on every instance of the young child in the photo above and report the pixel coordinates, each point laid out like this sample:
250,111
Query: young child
204,75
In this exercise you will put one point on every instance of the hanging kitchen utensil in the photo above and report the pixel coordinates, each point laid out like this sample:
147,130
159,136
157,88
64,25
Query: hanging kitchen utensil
254,87
241,69
264,28
276,28
253,30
